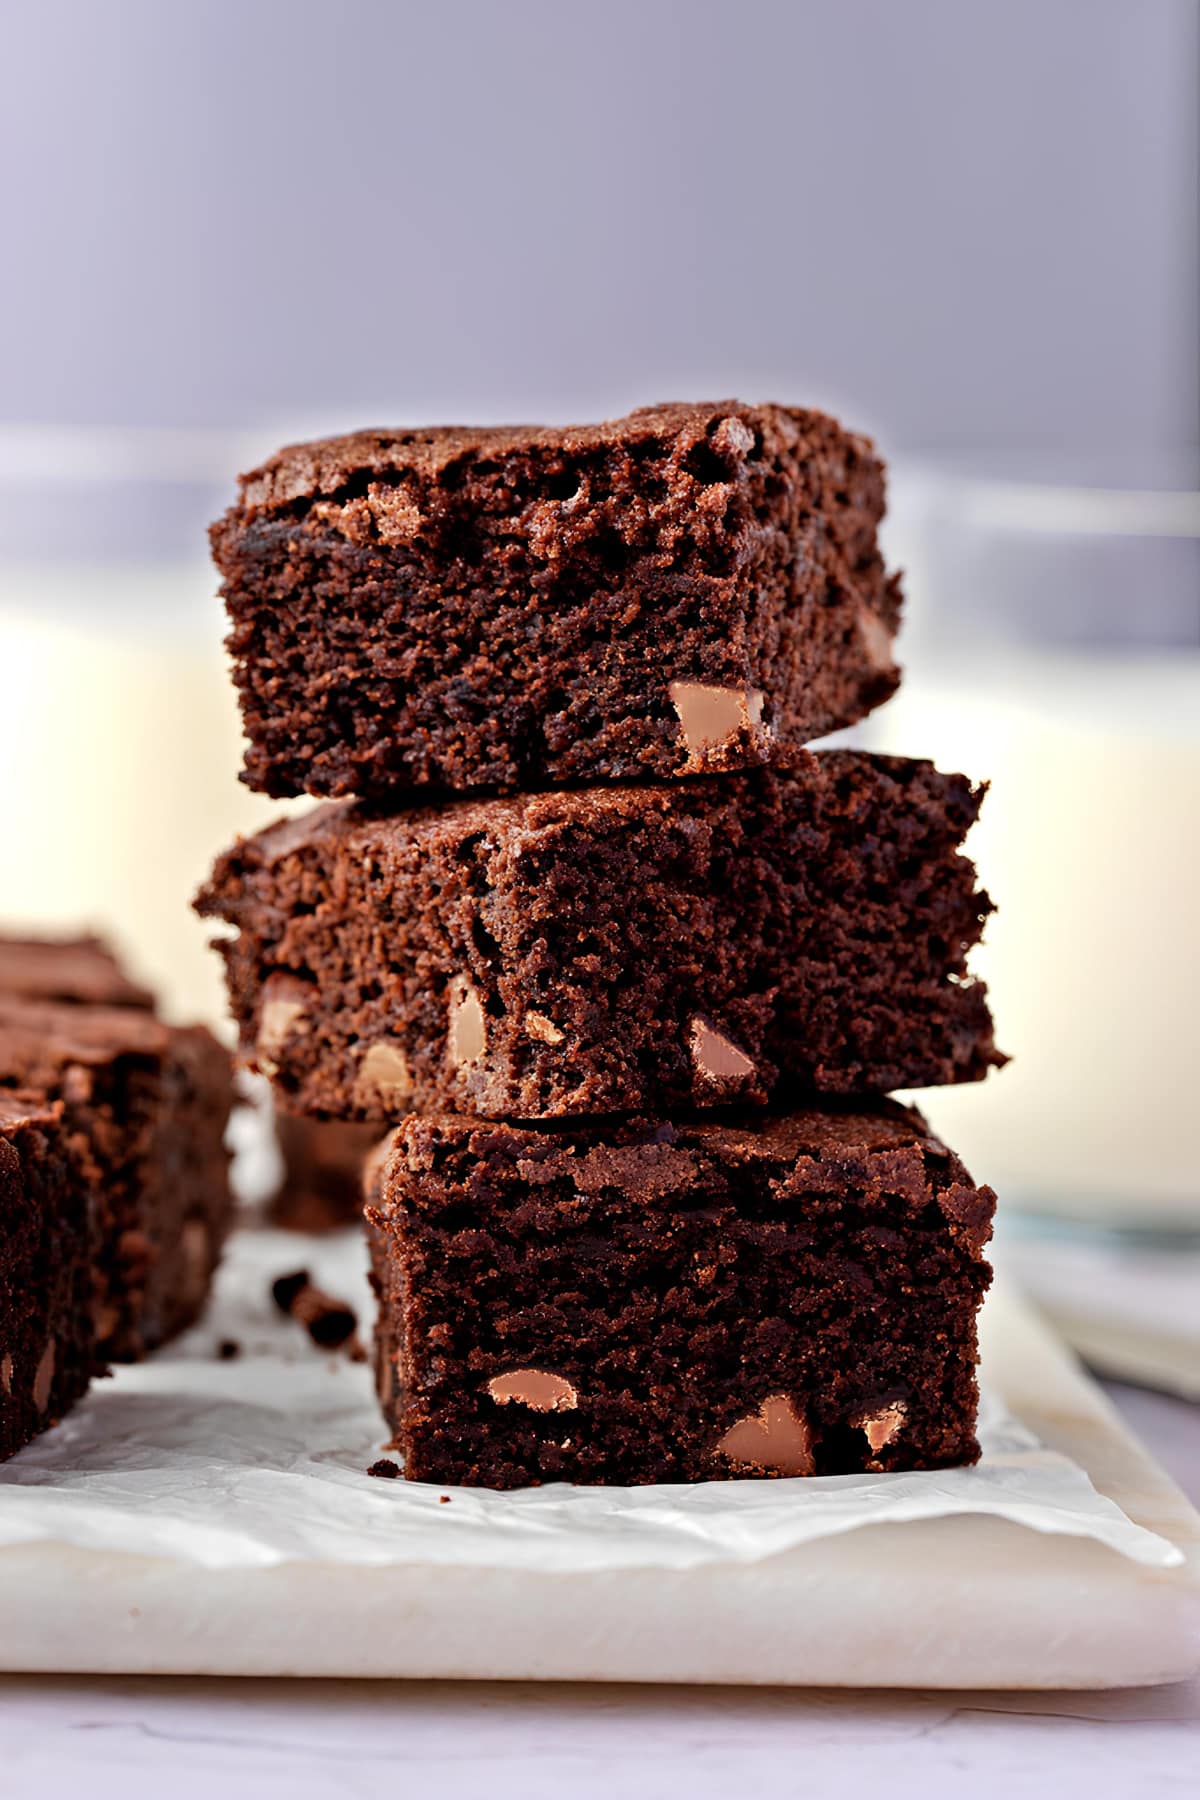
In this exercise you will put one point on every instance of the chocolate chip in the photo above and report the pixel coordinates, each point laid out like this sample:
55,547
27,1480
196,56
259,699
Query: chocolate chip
712,717
331,1323
534,1388
328,1322
714,1057
776,1438
881,1426
384,1072
43,1379
468,1023
285,1002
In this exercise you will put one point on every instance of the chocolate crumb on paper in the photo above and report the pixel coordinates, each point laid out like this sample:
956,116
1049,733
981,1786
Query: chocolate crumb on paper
331,1323
285,1288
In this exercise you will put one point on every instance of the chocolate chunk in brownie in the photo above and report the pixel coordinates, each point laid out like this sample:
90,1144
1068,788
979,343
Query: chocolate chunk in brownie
614,949
677,591
82,969
321,1188
771,1294
144,1107
46,1260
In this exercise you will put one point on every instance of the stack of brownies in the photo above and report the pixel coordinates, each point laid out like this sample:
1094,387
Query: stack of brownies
628,966
114,1191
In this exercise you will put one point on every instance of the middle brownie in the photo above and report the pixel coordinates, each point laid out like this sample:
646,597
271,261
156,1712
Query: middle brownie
614,949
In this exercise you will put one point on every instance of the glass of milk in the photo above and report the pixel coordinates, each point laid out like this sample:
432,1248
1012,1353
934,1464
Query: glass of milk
119,730
1053,649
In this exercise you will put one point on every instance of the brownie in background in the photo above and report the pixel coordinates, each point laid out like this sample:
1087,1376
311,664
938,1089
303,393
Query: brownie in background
677,591
47,1246
144,1107
83,970
323,1161
765,1295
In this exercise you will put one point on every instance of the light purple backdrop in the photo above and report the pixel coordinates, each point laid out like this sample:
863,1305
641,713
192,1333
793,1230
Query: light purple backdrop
955,223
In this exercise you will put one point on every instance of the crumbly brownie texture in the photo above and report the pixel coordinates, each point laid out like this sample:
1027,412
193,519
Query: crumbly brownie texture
616,949
46,1253
322,1172
82,969
780,1295
144,1108
667,593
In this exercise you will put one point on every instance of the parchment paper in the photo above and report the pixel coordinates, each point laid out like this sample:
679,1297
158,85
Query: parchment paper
262,1460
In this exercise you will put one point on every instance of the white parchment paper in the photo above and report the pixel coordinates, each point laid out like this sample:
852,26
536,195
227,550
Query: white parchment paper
262,1460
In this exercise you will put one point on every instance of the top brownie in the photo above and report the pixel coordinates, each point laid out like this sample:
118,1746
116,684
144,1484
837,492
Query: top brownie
80,969
671,593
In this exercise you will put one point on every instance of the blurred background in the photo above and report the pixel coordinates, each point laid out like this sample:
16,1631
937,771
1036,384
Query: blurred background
971,230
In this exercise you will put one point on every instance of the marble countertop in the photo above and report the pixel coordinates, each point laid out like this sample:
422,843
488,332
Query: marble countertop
129,1738
454,1742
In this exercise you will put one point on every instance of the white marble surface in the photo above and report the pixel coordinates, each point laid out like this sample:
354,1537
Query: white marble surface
126,1739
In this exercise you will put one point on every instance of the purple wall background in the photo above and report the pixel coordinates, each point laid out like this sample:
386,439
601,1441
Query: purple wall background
955,223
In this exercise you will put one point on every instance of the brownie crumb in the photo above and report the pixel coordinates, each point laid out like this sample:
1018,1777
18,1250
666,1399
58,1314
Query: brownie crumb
330,1323
228,1350
285,1288
385,1468
443,1499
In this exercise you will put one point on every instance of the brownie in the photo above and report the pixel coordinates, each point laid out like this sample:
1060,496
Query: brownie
614,949
82,969
768,1294
46,1261
322,1172
674,592
144,1109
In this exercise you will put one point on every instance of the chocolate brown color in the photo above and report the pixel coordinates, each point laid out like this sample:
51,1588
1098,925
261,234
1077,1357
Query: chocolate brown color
524,607
322,1172
144,1109
763,1295
615,949
79,969
46,1264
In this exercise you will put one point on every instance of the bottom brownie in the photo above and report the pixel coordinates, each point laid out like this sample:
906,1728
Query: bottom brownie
322,1172
46,1245
792,1294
